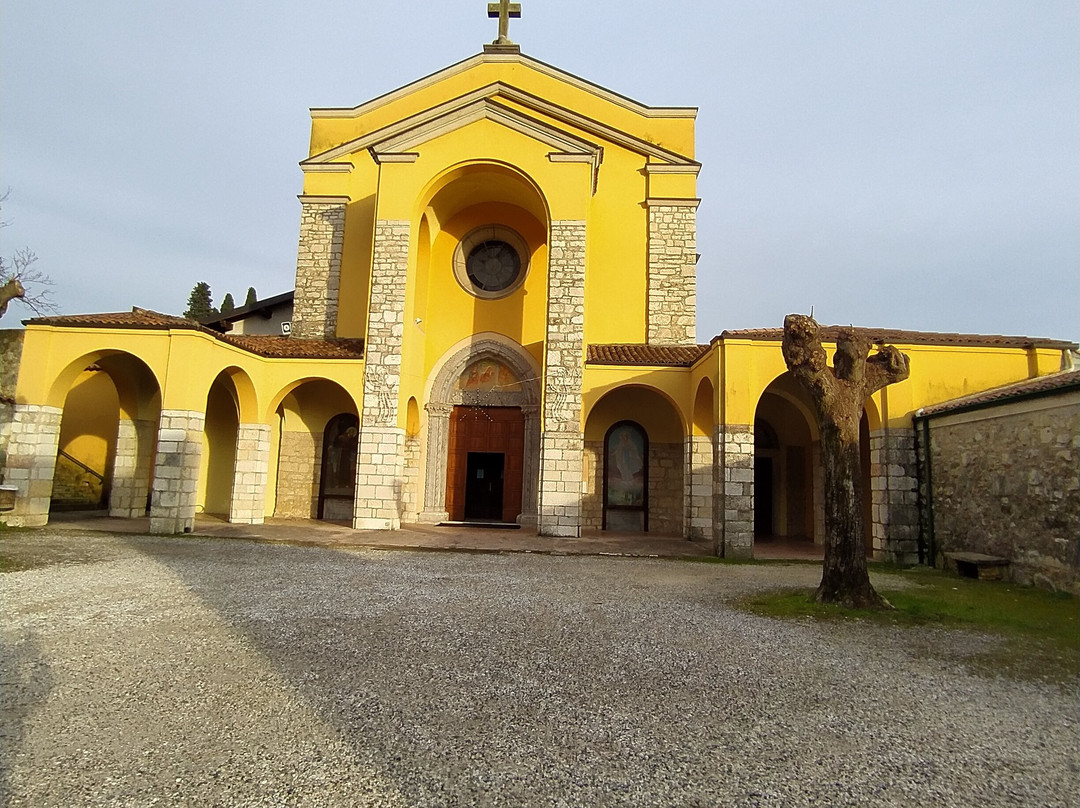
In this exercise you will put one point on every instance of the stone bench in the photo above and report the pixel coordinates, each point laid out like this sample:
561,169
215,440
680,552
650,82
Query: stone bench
978,565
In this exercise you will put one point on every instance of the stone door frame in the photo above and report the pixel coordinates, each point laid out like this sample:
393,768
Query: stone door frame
444,395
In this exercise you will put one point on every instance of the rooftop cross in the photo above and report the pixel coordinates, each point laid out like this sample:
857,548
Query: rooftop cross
504,10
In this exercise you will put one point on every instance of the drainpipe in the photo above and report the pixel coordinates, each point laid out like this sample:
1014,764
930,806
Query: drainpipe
927,540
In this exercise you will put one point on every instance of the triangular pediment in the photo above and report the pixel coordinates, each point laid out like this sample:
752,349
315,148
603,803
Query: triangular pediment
503,104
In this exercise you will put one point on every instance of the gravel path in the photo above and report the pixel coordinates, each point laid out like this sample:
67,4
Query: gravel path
145,671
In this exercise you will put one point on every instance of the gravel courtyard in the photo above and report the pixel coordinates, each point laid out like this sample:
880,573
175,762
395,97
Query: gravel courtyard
142,671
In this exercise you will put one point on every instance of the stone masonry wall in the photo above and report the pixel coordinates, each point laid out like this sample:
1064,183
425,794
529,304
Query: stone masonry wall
380,466
735,498
1006,481
410,495
176,471
318,268
666,494
666,498
893,483
672,274
299,468
592,471
702,476
562,442
31,458
131,468
250,474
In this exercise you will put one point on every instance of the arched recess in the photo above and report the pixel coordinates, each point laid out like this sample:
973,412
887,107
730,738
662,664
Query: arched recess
788,478
702,447
666,433
301,413
337,478
218,459
111,404
471,208
487,377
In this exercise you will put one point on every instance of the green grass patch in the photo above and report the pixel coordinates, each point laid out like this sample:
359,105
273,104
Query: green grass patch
1039,630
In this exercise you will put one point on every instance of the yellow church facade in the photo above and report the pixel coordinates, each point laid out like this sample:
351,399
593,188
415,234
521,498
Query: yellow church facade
493,322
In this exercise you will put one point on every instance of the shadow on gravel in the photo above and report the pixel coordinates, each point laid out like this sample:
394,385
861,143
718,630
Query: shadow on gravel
469,676
26,683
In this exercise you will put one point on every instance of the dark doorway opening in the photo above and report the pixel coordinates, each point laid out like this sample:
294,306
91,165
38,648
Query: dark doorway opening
484,485
485,431
763,496
337,481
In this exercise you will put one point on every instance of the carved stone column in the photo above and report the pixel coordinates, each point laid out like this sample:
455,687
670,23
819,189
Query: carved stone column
530,483
438,436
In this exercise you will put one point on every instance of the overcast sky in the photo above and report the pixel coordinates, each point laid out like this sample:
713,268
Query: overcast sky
901,164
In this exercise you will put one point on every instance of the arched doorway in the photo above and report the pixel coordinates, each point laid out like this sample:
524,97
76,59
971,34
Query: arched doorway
626,478
627,422
337,480
310,413
483,434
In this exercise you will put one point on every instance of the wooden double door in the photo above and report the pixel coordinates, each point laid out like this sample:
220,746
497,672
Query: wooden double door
486,451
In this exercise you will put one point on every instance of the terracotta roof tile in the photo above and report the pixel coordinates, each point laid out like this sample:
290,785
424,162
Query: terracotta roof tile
268,346
638,354
294,348
1043,385
136,318
900,336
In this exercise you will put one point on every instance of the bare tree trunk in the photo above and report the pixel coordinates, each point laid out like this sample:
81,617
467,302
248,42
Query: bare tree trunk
9,291
844,577
839,394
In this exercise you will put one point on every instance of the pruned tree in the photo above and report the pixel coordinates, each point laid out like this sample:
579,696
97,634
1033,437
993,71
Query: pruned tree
20,280
251,298
227,304
200,302
839,394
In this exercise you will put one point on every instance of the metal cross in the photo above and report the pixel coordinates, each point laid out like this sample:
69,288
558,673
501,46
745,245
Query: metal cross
504,10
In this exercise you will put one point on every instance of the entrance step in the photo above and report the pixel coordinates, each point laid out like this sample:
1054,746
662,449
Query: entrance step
482,523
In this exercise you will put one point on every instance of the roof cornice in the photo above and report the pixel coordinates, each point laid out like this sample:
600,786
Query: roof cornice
505,58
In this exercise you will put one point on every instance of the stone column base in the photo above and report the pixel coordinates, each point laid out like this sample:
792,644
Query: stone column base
433,517
379,479
33,437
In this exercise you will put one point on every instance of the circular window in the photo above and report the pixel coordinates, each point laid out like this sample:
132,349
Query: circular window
491,261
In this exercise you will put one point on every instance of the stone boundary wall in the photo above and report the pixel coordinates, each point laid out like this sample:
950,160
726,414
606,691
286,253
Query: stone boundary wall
562,442
11,345
672,274
1006,481
318,269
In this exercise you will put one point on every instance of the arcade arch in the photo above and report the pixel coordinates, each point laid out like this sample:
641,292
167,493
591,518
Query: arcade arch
662,448
788,478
